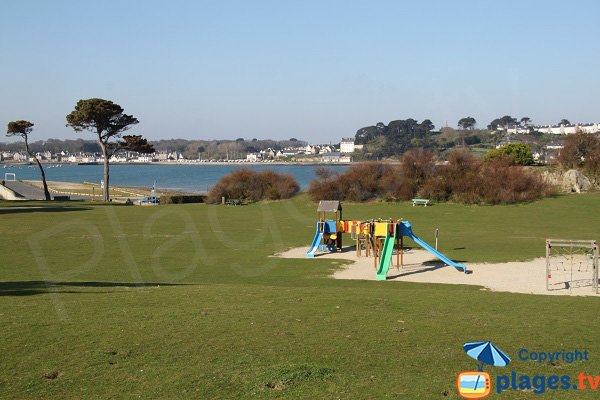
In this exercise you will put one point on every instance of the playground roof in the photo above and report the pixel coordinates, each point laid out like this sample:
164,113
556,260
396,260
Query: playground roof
329,206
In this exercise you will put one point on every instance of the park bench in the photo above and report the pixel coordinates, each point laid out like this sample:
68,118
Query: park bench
233,202
420,202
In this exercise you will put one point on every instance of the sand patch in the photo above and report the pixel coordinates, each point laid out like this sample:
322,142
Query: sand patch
421,266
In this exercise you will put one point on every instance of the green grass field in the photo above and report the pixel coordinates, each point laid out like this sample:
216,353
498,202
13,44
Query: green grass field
185,301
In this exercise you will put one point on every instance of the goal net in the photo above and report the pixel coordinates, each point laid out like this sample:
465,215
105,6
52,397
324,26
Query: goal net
571,264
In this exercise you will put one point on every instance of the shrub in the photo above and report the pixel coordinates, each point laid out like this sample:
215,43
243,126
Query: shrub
396,185
437,188
577,148
591,167
464,178
250,185
181,199
325,188
361,182
505,183
518,153
375,180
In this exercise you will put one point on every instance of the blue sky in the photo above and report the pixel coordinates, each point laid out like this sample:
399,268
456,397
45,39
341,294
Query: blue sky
316,70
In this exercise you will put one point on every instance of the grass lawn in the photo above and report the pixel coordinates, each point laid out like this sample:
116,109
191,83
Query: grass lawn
184,301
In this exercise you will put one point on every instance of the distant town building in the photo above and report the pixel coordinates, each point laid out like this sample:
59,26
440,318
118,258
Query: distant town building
568,129
311,149
551,129
515,129
118,158
335,157
20,157
347,145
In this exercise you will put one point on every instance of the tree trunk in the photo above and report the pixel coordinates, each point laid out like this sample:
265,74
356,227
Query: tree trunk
39,164
106,175
46,192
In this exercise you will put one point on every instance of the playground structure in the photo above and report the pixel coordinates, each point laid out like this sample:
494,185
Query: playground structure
571,264
376,238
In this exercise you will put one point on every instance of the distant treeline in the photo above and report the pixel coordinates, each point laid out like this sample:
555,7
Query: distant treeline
54,146
382,141
208,149
222,149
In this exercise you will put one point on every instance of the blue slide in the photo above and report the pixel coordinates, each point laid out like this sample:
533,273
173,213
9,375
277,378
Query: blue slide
406,230
315,244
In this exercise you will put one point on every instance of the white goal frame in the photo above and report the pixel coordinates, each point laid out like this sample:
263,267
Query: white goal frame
568,250
12,174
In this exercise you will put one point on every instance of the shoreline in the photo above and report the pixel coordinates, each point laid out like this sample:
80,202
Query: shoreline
189,162
82,189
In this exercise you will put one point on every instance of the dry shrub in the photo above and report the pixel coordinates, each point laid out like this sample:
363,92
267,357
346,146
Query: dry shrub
464,179
375,180
326,187
361,182
506,183
396,185
250,185
416,167
462,175
437,187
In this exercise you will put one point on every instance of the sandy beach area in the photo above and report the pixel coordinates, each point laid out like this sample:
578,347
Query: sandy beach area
421,266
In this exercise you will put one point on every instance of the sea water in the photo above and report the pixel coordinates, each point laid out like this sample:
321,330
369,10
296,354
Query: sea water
194,178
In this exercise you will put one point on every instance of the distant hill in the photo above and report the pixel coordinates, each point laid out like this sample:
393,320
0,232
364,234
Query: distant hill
208,149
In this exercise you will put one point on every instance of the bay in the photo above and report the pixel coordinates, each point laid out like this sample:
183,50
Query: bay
193,178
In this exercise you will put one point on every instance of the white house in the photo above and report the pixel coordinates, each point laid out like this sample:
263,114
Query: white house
311,149
335,157
326,149
513,129
568,129
20,157
347,145
118,158
143,159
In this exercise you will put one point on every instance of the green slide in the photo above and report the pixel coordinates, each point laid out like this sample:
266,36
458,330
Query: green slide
386,256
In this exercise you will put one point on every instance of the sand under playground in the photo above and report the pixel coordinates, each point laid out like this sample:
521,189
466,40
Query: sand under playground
421,266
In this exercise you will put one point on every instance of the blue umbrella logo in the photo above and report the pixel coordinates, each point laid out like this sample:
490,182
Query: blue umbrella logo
486,353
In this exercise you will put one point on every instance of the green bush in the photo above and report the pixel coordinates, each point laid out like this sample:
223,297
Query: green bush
518,153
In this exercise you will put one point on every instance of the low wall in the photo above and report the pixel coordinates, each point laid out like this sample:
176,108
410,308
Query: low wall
9,194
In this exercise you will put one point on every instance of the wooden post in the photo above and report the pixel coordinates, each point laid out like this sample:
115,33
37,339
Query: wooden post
401,251
397,252
375,252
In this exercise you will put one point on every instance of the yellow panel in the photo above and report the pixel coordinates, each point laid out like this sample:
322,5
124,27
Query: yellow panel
365,229
381,228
